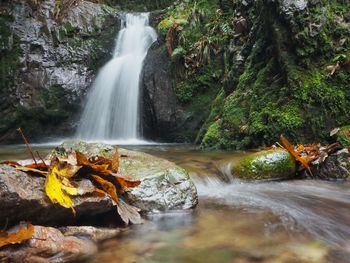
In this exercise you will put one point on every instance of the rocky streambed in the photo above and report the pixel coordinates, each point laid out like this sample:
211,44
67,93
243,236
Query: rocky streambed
164,187
166,197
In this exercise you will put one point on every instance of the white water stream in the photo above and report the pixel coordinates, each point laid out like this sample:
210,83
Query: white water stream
112,108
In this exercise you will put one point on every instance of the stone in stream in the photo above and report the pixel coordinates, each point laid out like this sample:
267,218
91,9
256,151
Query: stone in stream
274,164
165,186
48,244
343,136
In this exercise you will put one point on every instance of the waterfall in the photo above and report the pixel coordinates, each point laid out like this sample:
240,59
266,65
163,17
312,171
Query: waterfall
112,108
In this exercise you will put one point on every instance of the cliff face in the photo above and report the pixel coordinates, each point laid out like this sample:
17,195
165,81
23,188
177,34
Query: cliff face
49,59
266,64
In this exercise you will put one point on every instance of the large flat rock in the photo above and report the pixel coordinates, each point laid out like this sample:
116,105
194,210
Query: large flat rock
165,186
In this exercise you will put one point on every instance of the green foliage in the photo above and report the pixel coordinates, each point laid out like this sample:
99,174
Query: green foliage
282,91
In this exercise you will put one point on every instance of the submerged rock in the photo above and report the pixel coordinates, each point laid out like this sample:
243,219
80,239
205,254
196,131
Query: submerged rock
270,164
164,186
48,244
96,234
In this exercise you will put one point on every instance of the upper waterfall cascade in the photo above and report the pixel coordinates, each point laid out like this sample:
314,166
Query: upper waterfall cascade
112,110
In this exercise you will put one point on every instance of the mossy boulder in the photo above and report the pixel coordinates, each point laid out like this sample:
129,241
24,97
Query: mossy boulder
165,186
343,136
271,164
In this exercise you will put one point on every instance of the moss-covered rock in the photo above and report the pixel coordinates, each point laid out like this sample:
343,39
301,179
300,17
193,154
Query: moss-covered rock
343,136
271,164
284,86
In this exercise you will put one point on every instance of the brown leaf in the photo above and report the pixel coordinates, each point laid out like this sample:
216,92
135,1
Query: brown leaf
31,170
24,233
129,213
126,182
115,160
95,168
40,166
291,150
108,187
11,163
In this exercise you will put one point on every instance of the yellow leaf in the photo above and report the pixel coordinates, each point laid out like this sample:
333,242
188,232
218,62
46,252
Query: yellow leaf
53,189
23,234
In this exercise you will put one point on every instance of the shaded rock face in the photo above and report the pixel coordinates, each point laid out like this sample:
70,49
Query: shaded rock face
57,61
336,166
161,113
23,198
164,186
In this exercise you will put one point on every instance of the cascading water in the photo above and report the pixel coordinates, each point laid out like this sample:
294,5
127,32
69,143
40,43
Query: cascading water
112,109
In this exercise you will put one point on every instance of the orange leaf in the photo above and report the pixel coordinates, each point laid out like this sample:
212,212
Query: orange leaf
115,160
291,150
11,163
39,166
126,182
108,187
23,234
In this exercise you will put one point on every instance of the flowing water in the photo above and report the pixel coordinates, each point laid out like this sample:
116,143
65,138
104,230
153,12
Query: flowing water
112,108
293,221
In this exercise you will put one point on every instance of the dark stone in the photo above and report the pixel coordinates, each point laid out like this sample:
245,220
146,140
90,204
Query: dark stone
336,166
58,59
163,117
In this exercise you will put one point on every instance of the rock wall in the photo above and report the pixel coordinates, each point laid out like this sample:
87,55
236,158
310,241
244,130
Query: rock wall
48,62
262,68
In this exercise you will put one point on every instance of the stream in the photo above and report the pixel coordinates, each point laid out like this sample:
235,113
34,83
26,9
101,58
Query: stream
291,221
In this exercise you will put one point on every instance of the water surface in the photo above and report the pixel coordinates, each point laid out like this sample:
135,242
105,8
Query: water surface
294,221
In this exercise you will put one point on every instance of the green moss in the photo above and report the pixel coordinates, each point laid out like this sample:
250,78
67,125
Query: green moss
270,164
284,87
343,136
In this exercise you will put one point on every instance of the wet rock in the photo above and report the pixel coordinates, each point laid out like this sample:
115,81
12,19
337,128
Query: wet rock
274,164
336,166
48,244
57,62
343,136
165,186
23,198
162,114
96,234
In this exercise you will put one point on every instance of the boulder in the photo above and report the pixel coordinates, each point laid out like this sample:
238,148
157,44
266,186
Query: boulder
274,164
336,166
48,244
164,186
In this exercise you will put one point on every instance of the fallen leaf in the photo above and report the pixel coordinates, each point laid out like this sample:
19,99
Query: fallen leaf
334,132
129,213
108,187
126,182
291,150
31,170
53,189
40,166
10,163
24,233
115,160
